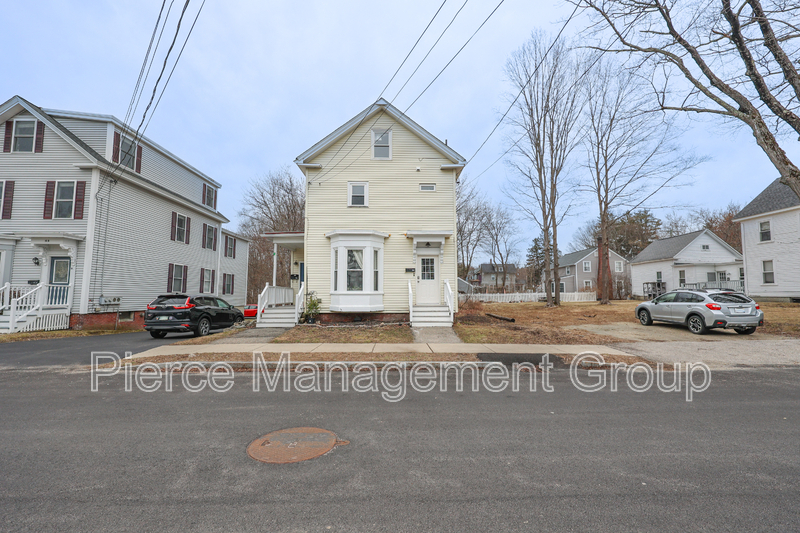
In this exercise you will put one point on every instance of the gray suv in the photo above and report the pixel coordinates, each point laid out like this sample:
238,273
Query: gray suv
701,310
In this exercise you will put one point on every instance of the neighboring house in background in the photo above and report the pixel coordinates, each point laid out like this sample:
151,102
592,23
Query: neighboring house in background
578,272
695,260
94,226
490,277
771,243
380,235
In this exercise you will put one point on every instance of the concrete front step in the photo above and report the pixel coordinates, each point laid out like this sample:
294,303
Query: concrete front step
281,317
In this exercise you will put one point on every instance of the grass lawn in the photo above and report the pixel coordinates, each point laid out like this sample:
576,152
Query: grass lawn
387,333
781,319
59,334
537,324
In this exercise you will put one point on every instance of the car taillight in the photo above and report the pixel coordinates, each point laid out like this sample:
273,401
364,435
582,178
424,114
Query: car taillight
714,307
186,305
758,307
151,307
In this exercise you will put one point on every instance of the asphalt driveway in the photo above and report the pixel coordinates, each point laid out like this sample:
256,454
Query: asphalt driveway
76,350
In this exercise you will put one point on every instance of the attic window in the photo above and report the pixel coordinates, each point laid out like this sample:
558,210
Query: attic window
381,144
705,248
24,131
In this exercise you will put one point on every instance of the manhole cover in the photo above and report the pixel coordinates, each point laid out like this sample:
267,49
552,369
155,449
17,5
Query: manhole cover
293,445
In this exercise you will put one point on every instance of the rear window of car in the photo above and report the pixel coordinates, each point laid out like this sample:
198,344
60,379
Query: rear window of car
730,298
170,300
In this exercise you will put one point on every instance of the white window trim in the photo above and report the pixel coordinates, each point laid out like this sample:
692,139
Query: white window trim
14,135
372,146
2,192
207,279
619,266
350,193
177,218
763,282
178,268
135,149
585,264
55,200
421,185
758,230
587,284
231,246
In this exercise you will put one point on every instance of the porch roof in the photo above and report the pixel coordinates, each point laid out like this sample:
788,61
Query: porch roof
291,240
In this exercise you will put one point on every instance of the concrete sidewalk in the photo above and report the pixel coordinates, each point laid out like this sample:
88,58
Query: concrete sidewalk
380,348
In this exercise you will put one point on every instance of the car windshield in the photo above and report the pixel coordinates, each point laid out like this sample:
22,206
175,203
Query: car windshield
170,300
730,298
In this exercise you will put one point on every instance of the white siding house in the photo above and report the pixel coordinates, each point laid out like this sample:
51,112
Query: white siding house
380,239
697,260
770,227
92,224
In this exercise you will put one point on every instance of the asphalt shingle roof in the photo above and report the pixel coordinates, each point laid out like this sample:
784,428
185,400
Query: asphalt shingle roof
666,248
489,268
573,257
775,197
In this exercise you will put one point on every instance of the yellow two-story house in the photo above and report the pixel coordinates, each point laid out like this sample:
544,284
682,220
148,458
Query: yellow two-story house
380,227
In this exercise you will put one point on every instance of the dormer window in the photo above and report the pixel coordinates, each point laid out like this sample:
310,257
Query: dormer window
209,196
382,144
357,194
127,153
24,132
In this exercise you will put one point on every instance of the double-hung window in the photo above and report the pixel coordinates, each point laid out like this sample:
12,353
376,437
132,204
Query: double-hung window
177,278
24,133
681,277
209,198
587,266
207,281
617,266
65,199
768,272
375,270
180,228
382,144
569,271
355,270
335,269
127,152
231,246
358,194
765,232
209,237
228,283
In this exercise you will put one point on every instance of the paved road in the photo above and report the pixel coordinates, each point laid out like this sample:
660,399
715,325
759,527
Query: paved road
562,461
77,350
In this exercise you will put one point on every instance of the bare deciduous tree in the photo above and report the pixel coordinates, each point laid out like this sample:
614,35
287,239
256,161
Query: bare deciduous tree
273,203
547,113
501,239
631,155
723,58
471,211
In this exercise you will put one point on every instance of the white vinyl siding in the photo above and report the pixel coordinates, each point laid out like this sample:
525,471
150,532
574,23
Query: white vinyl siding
395,207
238,268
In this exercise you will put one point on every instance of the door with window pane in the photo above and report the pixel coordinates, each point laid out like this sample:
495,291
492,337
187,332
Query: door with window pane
427,281
58,289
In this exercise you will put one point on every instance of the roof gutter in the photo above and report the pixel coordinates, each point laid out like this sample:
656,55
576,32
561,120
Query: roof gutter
309,165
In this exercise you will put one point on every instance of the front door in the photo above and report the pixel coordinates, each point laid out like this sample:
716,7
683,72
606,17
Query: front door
58,291
427,281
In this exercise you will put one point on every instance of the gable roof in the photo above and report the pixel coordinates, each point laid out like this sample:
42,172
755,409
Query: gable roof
668,248
381,106
573,257
489,268
775,197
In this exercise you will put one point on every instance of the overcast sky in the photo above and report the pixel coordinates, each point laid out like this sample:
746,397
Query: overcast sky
260,82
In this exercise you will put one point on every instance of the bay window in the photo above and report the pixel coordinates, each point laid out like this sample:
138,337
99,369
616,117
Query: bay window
356,270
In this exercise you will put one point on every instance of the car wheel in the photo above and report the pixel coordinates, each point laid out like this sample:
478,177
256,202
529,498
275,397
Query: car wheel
696,325
239,319
158,334
745,331
203,327
644,317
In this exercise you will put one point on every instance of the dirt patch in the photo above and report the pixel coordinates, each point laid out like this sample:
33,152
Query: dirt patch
60,334
384,333
781,319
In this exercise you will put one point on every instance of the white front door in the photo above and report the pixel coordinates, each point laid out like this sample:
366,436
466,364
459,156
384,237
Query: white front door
427,280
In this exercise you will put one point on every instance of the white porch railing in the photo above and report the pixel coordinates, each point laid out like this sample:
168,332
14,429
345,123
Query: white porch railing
737,285
513,297
274,296
448,297
299,302
410,303
27,302
8,292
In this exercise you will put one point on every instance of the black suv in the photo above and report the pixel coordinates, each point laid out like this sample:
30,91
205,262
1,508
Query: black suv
181,313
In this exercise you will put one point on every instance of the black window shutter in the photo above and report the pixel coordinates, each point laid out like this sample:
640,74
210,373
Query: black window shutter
188,227
8,199
213,278
215,239
169,277
185,275
80,194
205,234
7,139
49,194
202,279
115,153
39,146
232,280
225,248
174,225
215,198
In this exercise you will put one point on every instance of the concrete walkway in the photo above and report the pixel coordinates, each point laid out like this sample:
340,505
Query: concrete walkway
432,348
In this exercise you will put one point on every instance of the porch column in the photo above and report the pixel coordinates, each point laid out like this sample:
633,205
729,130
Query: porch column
274,264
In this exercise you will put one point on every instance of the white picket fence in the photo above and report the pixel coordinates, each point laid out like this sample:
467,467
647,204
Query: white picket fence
513,297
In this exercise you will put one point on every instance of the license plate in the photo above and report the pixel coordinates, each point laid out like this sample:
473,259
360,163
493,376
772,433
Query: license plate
741,311
163,318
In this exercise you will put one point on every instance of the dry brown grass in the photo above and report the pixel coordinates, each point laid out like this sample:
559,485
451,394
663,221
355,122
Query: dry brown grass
216,336
537,324
60,334
384,333
781,319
